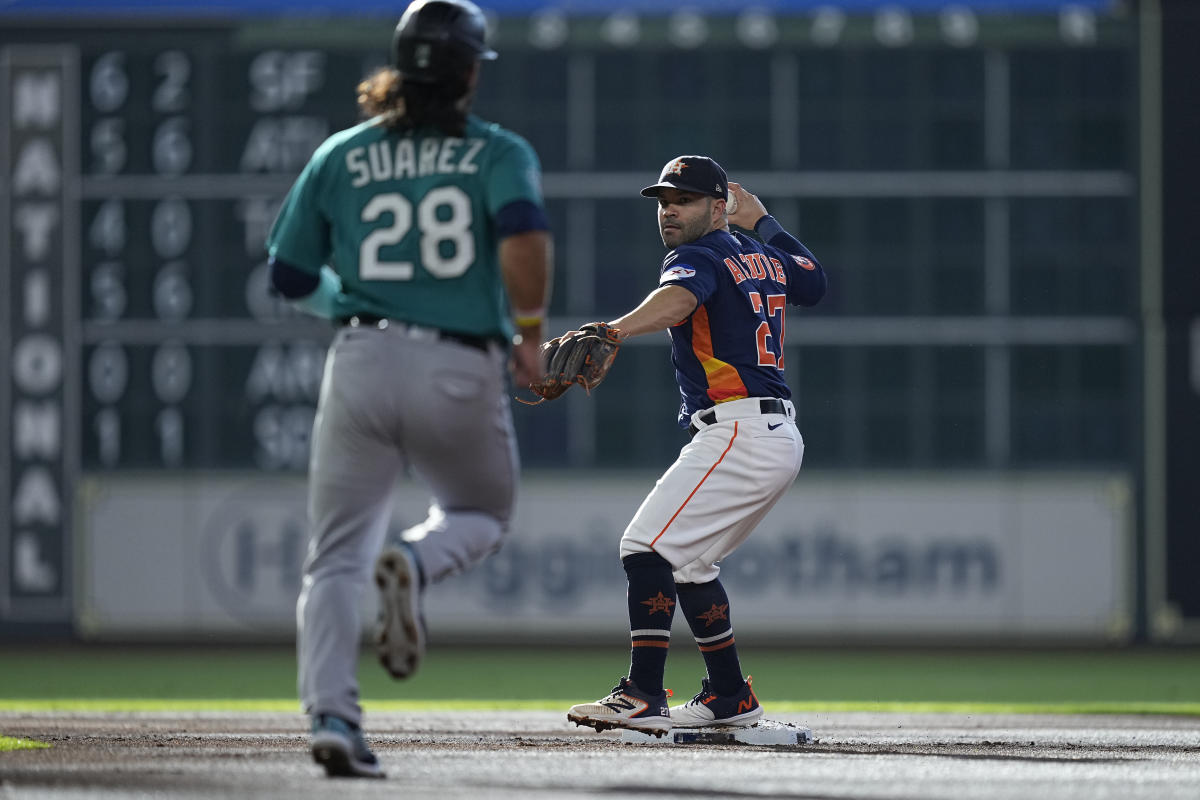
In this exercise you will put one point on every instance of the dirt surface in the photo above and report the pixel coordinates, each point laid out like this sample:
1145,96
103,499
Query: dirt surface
530,755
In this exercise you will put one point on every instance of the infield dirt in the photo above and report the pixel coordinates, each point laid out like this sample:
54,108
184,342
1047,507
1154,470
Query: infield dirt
539,755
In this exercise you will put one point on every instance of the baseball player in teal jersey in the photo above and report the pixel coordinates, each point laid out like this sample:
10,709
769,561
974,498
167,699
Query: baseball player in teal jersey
421,233
721,296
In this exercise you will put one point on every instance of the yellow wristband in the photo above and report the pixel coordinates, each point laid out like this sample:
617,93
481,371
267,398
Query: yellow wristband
530,317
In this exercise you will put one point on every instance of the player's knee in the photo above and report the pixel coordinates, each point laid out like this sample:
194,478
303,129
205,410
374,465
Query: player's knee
632,544
696,588
697,572
480,532
637,561
493,530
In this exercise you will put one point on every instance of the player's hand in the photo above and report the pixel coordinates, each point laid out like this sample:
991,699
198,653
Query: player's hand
524,363
749,208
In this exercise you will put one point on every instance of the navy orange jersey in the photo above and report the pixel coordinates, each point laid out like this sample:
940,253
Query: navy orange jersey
732,344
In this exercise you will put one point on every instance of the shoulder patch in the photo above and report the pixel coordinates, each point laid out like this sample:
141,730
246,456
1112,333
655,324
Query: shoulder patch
677,273
804,262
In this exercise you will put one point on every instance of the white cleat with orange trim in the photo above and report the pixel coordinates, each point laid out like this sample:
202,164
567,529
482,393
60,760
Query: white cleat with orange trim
709,709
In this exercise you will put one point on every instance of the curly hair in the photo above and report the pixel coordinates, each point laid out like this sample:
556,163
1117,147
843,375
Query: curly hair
407,106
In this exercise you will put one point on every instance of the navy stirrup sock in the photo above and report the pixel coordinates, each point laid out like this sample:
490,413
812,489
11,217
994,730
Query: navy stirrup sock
651,599
706,607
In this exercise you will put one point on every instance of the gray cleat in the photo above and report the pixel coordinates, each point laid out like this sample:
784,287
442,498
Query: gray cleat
340,747
400,638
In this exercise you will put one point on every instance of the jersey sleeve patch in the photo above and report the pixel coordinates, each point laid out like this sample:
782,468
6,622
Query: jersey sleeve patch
676,273
803,262
692,269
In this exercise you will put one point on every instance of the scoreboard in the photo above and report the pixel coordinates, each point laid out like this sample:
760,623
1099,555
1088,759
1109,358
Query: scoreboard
141,172
147,177
145,163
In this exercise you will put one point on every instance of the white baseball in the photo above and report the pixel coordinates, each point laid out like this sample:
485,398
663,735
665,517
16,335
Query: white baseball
730,202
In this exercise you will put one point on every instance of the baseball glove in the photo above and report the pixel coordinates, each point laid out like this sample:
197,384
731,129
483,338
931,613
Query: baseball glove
583,356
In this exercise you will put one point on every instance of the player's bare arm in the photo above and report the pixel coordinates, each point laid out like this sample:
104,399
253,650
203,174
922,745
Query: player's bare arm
662,308
526,264
585,355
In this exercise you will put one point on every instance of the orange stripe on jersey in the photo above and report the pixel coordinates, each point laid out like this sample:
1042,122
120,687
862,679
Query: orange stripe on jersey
724,382
698,485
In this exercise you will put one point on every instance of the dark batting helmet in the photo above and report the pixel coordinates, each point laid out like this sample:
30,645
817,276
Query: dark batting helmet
437,40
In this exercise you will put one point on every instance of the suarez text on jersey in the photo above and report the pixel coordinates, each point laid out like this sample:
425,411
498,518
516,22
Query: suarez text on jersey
381,161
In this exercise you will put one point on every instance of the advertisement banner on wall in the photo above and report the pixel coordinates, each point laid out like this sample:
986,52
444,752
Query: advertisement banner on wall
869,558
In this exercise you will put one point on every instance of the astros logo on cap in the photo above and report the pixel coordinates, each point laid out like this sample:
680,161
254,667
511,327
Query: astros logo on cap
676,167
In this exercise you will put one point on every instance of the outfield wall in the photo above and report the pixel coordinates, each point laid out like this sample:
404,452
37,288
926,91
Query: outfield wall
1035,557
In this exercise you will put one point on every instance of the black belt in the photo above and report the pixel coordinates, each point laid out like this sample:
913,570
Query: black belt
766,405
467,339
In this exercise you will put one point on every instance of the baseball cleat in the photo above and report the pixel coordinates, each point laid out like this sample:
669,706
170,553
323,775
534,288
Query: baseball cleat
626,707
400,638
339,746
709,709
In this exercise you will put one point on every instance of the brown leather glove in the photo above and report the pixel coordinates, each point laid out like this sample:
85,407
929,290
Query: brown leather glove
582,356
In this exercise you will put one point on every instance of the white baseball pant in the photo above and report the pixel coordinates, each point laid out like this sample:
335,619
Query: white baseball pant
723,483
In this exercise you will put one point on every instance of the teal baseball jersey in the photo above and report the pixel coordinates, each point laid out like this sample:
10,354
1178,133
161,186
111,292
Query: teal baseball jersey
407,220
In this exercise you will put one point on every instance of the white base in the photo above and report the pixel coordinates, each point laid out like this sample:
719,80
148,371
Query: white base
766,732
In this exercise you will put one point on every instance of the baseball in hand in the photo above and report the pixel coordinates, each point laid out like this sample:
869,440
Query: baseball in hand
730,202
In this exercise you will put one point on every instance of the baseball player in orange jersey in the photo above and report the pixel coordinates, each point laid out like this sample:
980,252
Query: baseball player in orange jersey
722,297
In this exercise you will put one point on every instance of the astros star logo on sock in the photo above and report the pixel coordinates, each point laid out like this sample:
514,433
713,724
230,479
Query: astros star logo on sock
661,603
715,613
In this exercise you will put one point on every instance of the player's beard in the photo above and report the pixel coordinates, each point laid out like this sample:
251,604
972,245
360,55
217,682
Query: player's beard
687,231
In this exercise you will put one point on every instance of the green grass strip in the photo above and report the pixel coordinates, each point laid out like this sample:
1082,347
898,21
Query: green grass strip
8,743
128,705
113,678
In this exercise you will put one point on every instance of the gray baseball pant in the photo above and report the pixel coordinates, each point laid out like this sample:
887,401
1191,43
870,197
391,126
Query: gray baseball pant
393,399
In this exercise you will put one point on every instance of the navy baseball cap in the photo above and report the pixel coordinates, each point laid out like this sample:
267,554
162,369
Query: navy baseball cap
691,174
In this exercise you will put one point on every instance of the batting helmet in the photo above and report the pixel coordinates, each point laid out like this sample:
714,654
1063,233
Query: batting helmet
436,40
